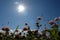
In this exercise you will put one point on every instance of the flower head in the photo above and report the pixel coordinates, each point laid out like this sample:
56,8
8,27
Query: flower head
26,28
51,22
39,18
18,36
29,32
16,30
26,23
56,19
5,28
34,32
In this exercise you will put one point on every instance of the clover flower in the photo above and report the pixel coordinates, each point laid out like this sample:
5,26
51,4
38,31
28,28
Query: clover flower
56,19
25,28
51,22
5,28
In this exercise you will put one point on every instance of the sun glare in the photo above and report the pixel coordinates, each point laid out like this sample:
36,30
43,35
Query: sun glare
21,8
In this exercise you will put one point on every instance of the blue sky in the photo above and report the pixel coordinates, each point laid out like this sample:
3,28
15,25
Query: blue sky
47,9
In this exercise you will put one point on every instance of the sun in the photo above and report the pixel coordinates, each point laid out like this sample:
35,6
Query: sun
21,8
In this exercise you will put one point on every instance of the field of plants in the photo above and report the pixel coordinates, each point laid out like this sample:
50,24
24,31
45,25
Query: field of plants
53,33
